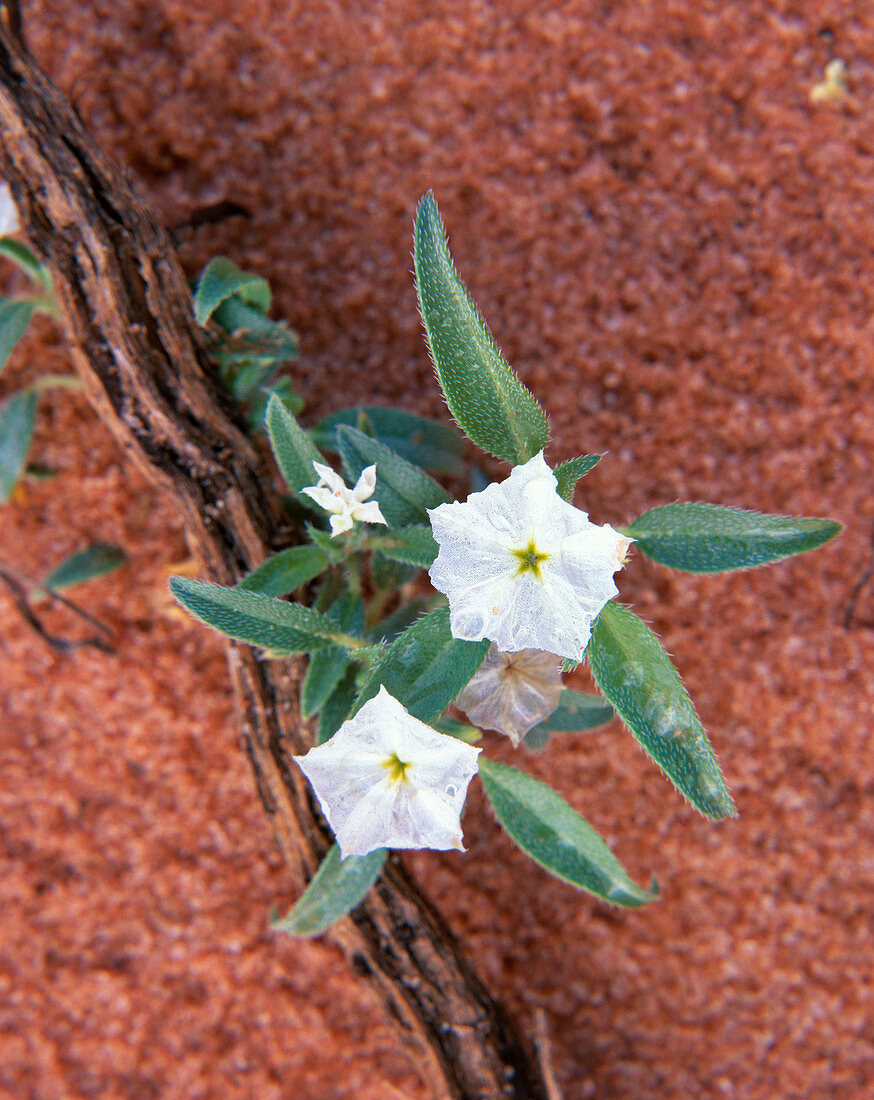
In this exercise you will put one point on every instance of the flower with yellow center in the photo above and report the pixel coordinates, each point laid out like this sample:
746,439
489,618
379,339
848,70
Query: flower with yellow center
511,692
522,567
386,780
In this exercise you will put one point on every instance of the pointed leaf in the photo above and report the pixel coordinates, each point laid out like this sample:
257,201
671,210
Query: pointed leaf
636,676
483,393
293,449
706,538
326,668
567,474
576,711
260,620
423,442
425,667
21,255
252,335
96,561
335,710
285,571
398,621
335,889
222,279
403,490
410,545
15,315
17,416
554,835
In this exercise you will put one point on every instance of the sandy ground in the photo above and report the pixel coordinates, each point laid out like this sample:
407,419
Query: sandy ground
673,246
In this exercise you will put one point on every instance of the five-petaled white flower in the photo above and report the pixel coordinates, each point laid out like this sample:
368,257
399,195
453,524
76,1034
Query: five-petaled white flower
9,222
345,505
386,780
511,692
522,567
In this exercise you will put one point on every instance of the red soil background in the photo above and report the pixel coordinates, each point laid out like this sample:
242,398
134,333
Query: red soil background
673,246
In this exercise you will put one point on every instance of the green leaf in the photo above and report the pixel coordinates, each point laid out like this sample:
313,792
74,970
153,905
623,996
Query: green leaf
404,492
335,889
423,442
96,561
636,676
260,620
425,667
410,545
483,393
463,731
398,621
554,835
705,538
15,315
220,280
17,416
252,335
293,449
336,708
285,571
327,667
567,474
576,711
21,255
389,574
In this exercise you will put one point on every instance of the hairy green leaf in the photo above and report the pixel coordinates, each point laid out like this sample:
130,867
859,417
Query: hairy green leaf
220,280
567,474
293,449
554,835
260,620
576,711
335,710
21,255
335,889
706,538
252,335
489,403
326,668
410,545
636,676
425,667
15,315
285,571
96,561
17,416
425,443
403,490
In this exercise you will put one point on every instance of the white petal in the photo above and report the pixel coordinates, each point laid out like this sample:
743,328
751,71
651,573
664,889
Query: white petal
328,477
341,523
324,498
9,221
368,513
365,484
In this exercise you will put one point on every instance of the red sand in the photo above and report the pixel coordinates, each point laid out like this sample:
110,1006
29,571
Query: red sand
674,249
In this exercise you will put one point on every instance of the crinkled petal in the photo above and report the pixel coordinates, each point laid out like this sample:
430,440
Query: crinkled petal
365,484
324,498
9,220
368,513
328,477
511,692
341,523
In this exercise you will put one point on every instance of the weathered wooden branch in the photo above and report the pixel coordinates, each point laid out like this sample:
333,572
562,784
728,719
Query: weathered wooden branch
127,313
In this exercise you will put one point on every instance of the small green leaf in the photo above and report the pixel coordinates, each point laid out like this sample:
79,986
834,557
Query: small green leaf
404,491
425,667
399,620
252,335
285,571
423,442
335,709
15,315
410,545
17,416
389,574
554,835
260,620
636,676
222,279
489,403
21,255
335,889
576,711
706,538
294,451
327,667
567,474
96,561
453,728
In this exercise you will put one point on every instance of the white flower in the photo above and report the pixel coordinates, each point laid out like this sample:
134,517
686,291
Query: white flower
511,692
9,222
346,505
522,567
386,780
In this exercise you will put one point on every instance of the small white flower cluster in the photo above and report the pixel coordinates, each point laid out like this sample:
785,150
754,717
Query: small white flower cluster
9,222
345,505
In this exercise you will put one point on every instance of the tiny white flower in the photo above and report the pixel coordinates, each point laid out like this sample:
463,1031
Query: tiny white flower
9,222
345,505
386,780
511,692
522,567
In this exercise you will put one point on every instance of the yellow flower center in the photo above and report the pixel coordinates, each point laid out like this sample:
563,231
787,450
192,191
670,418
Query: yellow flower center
529,559
397,769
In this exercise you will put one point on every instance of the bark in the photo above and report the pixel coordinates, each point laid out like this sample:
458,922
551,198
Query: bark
127,313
